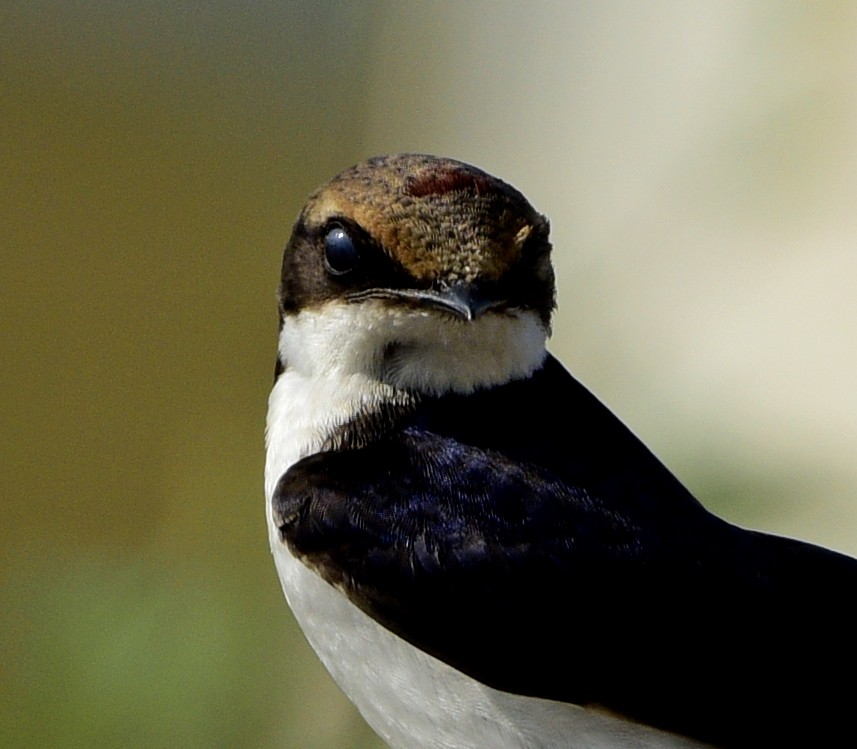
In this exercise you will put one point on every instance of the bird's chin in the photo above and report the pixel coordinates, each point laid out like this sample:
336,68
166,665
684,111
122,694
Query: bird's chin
441,353
413,347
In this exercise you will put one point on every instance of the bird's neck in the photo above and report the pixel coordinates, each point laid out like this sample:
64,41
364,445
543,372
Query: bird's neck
352,372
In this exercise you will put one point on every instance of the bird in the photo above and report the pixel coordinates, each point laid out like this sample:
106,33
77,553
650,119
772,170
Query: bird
479,551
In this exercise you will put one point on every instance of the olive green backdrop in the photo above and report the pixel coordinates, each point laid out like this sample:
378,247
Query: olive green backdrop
698,164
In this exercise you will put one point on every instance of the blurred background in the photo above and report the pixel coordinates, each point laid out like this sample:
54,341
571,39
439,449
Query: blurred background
698,162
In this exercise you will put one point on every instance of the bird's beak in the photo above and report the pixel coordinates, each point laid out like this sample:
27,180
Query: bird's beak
460,299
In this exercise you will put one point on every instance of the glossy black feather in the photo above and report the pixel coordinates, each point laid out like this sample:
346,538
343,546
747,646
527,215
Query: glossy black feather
525,536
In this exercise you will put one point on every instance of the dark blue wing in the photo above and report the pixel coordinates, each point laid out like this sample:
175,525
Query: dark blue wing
576,568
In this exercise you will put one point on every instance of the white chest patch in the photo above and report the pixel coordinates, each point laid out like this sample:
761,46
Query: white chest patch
412,700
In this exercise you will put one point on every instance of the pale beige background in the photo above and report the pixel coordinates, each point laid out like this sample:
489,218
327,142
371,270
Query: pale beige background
698,162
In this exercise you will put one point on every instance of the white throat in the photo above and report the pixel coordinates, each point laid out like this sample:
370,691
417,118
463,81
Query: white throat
343,358
434,353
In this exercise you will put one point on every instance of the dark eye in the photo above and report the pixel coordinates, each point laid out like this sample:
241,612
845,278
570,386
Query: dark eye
340,252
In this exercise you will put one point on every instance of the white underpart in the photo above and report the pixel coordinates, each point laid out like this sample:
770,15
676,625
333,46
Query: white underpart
412,700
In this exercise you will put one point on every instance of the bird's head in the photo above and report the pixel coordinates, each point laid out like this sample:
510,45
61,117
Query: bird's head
421,272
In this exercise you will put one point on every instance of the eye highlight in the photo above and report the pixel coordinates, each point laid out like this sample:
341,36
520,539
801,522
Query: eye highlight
340,253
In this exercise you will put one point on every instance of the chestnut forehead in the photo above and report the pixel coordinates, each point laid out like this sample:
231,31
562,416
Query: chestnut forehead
438,219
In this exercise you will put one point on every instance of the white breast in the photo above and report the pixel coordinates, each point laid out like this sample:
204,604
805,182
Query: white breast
412,700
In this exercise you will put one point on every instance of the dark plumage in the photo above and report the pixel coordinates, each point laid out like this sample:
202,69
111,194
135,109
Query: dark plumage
568,563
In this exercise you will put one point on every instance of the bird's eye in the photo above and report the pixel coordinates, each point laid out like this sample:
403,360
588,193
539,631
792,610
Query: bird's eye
340,252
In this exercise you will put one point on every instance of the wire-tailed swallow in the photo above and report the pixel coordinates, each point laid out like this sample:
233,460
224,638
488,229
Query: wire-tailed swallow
479,551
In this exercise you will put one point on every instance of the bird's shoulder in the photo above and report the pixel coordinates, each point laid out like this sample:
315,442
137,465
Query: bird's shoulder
525,513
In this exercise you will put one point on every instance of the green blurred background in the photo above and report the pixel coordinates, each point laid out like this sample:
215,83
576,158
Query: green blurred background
699,165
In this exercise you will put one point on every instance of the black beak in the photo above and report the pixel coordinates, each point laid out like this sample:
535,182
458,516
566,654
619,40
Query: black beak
460,299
